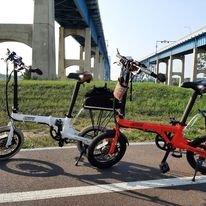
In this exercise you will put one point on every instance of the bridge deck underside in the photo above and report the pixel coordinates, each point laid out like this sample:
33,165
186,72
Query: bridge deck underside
69,16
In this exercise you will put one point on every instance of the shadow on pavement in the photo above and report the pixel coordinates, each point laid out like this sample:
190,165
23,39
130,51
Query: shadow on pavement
124,171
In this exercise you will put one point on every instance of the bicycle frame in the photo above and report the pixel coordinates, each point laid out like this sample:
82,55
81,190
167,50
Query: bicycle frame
67,131
178,139
172,134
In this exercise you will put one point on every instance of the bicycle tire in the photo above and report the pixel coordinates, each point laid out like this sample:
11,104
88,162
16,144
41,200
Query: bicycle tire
89,132
191,156
17,142
96,160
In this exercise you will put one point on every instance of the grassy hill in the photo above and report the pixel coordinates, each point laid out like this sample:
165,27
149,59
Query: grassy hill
153,102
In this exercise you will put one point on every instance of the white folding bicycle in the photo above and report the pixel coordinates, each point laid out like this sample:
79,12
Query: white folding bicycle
61,129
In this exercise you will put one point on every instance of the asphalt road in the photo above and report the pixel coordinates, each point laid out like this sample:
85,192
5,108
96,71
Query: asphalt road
49,177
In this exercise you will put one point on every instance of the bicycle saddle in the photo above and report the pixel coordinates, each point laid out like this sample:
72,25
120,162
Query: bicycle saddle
82,77
199,86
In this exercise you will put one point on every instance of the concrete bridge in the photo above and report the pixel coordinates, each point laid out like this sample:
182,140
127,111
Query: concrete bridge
77,18
194,43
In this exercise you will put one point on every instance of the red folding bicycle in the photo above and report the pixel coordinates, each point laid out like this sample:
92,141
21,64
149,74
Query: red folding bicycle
106,149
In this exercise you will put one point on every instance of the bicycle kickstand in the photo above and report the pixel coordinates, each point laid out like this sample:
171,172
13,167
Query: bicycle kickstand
199,163
80,156
164,167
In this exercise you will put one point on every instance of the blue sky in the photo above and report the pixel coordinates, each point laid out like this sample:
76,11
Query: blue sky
133,26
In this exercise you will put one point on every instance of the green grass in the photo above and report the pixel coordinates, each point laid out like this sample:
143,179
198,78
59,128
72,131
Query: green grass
153,102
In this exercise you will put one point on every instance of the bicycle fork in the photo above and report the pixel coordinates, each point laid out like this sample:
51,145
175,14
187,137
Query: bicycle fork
115,140
10,135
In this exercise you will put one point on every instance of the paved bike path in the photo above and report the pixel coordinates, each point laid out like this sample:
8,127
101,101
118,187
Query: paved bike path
46,174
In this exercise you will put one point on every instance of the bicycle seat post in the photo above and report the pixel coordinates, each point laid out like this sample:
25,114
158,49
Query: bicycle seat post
189,107
73,98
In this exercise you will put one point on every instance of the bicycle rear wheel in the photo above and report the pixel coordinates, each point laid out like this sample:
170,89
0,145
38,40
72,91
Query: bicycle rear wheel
98,151
192,158
16,143
90,132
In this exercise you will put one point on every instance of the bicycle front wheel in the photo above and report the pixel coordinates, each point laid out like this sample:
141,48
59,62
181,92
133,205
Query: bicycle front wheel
98,151
192,158
16,143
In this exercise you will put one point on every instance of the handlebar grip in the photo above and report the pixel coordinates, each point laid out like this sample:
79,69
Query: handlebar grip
142,65
161,77
153,75
37,71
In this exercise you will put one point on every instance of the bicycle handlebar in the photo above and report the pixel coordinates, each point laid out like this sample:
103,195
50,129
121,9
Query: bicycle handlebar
133,65
17,61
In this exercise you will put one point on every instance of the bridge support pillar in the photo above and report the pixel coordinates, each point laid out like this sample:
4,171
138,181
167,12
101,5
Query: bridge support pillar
167,72
157,69
87,49
96,64
100,73
194,64
43,43
182,74
84,64
61,67
81,68
170,70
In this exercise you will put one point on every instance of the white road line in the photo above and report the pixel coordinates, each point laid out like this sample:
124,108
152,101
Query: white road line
74,146
49,148
97,189
141,143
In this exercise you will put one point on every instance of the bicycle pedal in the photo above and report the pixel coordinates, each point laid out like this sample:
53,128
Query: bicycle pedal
164,167
177,154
